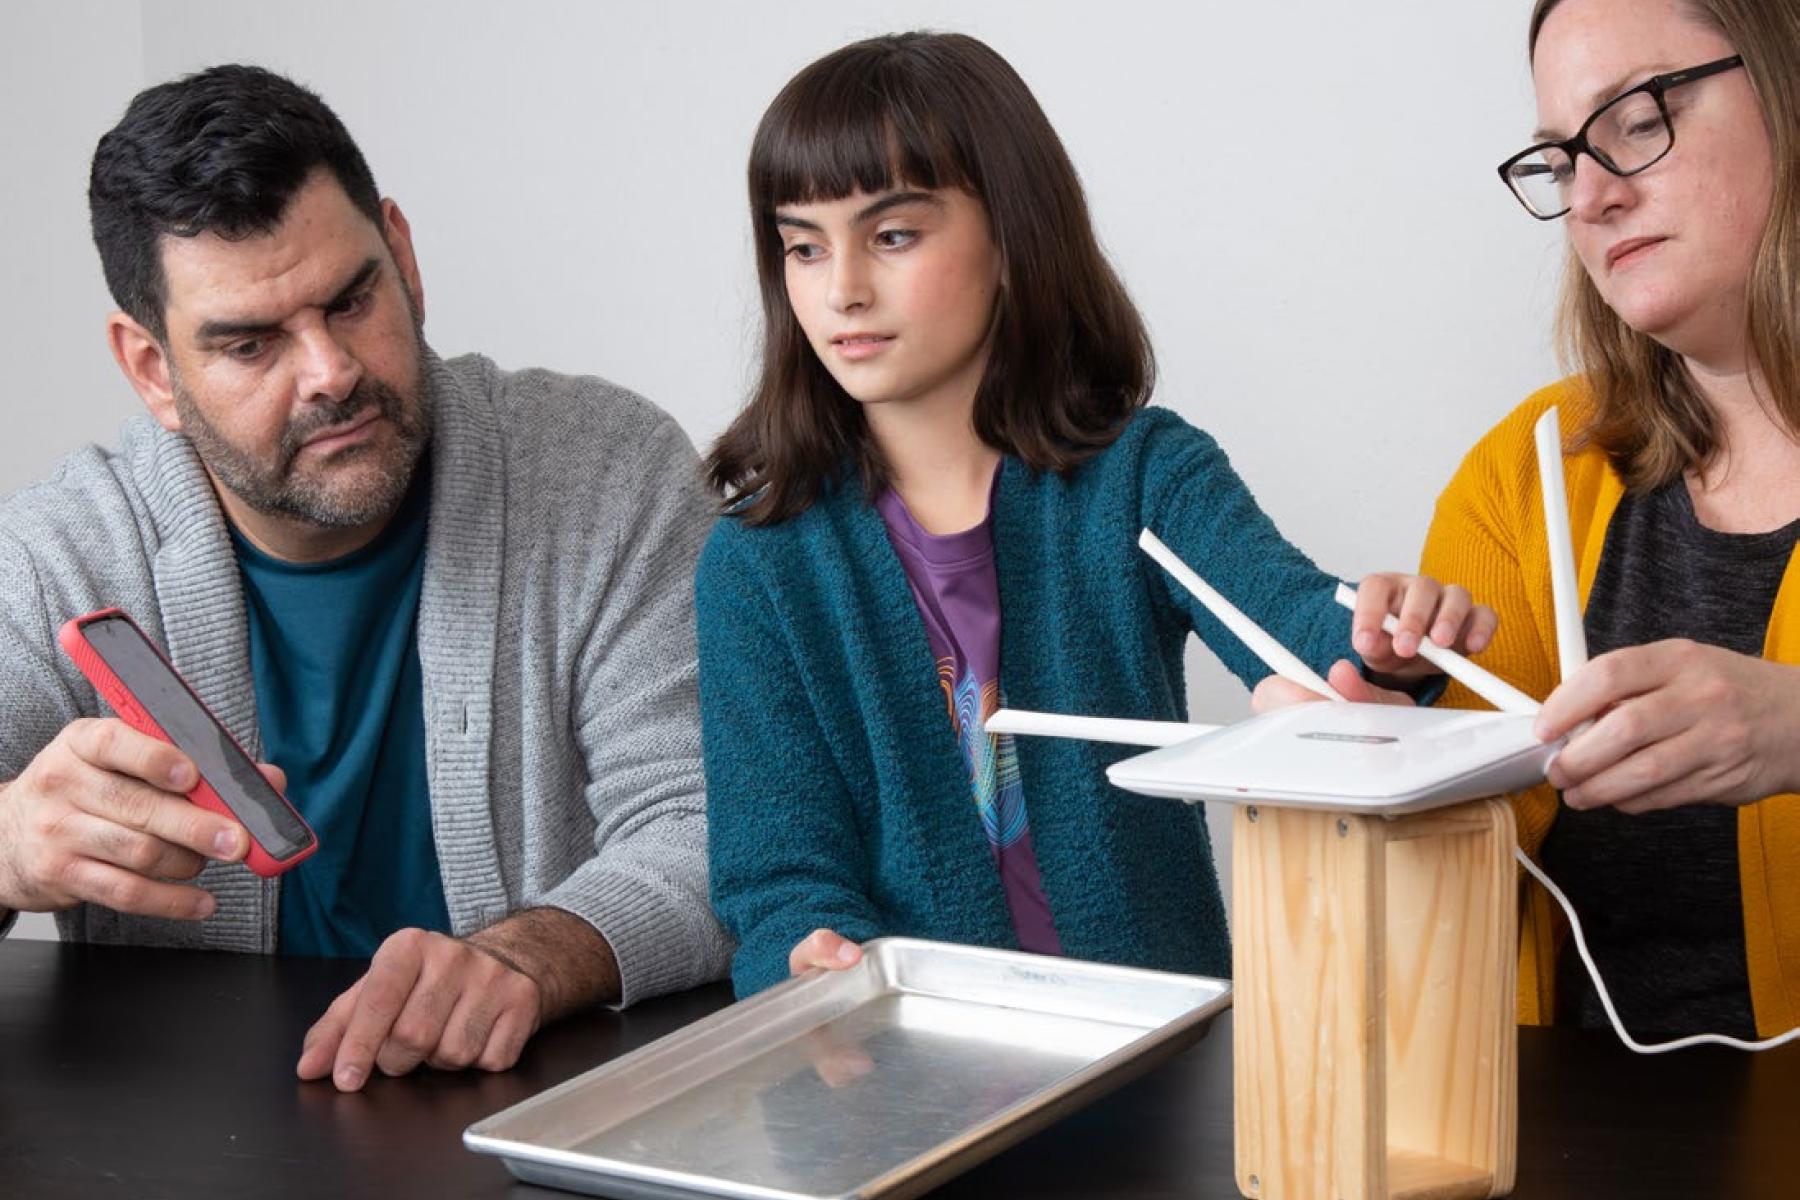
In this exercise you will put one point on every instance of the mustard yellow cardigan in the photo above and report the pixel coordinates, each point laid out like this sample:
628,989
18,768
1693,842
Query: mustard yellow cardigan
1488,535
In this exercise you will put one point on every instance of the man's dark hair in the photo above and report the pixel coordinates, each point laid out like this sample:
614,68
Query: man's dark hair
222,152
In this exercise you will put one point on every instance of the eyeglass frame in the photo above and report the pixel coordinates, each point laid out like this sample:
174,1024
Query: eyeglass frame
1656,87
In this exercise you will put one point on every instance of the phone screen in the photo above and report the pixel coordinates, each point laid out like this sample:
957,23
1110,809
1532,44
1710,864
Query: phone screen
162,694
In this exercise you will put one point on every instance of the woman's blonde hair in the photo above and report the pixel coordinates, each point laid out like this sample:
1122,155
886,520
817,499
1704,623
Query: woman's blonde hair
1647,414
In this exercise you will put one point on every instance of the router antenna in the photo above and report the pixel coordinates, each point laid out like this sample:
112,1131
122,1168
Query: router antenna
1571,638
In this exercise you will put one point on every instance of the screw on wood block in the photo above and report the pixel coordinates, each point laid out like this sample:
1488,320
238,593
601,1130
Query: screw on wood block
1343,829
1251,812
1255,1183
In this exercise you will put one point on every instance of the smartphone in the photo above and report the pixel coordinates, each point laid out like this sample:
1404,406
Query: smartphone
149,695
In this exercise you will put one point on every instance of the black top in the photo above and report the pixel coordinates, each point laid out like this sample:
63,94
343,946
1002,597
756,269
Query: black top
1658,893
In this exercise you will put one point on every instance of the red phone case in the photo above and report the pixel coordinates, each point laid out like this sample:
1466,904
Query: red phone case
115,693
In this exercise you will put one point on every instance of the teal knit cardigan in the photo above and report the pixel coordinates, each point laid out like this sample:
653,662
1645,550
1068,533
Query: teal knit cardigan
837,796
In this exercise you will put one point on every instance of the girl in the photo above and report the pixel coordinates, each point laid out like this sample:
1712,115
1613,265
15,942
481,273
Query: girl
1671,150
936,492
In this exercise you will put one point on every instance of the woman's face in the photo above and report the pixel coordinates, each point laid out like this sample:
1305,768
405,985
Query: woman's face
1671,248
895,291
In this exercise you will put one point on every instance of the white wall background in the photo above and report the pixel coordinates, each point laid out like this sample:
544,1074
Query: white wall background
1301,197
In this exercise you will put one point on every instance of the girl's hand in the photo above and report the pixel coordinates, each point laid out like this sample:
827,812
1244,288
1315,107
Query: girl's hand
1276,692
1674,723
823,948
1422,605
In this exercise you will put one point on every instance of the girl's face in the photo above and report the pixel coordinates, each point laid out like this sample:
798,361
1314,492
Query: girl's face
895,291
1670,249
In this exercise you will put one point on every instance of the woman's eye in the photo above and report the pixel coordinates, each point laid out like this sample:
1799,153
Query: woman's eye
803,252
895,239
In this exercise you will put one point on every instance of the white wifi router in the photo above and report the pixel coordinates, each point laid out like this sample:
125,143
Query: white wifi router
1373,758
1362,757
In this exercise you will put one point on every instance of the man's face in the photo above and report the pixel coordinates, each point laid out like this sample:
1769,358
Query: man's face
296,361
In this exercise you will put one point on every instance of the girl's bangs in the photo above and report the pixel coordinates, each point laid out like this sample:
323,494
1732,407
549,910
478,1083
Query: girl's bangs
837,133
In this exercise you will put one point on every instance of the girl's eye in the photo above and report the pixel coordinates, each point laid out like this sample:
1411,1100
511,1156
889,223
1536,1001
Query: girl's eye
803,252
896,239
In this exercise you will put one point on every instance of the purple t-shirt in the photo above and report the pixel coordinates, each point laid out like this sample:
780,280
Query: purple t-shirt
958,594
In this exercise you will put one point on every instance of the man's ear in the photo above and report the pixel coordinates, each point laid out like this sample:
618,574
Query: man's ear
398,233
145,361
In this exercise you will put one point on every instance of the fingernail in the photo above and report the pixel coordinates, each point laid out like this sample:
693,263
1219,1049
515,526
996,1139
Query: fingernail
1442,634
225,842
1364,641
847,953
349,1078
206,906
1540,730
181,777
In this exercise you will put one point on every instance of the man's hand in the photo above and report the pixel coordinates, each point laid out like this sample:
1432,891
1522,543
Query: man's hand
453,1003
1674,723
101,816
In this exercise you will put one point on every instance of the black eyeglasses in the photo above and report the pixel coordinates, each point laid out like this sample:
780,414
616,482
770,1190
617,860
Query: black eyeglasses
1627,134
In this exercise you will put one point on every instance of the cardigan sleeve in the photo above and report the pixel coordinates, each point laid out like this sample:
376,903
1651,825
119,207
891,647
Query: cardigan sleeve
785,859
644,889
33,695
1197,504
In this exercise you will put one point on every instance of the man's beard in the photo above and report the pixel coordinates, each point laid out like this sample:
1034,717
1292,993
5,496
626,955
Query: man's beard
318,498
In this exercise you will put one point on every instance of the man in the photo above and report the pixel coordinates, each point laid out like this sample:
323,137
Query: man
452,603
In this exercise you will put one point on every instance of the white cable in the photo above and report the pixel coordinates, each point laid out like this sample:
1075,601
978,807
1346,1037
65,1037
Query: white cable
1612,1014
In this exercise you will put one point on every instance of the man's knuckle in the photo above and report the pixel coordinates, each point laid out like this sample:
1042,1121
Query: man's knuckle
415,1035
125,892
52,775
456,1051
498,1058
141,854
104,740
133,807
71,872
405,943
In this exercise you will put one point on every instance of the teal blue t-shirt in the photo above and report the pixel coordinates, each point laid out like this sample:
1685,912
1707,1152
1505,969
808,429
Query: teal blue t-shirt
340,699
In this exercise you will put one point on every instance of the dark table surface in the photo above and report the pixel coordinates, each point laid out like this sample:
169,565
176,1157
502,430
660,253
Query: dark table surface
152,1073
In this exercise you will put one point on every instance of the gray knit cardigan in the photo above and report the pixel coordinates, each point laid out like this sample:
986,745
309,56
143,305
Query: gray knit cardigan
556,635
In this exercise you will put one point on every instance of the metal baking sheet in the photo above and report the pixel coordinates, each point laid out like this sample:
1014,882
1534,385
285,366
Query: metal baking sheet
883,1080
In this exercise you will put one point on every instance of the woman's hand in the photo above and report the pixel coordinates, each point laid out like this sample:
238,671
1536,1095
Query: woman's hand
1675,722
823,948
1423,607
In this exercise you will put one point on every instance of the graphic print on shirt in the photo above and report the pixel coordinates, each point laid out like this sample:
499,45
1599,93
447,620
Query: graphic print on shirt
993,765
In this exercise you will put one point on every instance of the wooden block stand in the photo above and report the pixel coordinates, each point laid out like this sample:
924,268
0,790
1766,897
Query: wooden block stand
1375,1012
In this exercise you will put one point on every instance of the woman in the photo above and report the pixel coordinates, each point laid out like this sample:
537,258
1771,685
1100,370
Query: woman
1669,144
950,441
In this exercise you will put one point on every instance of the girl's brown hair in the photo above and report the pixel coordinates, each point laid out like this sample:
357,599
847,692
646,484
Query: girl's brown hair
1070,358
1647,414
